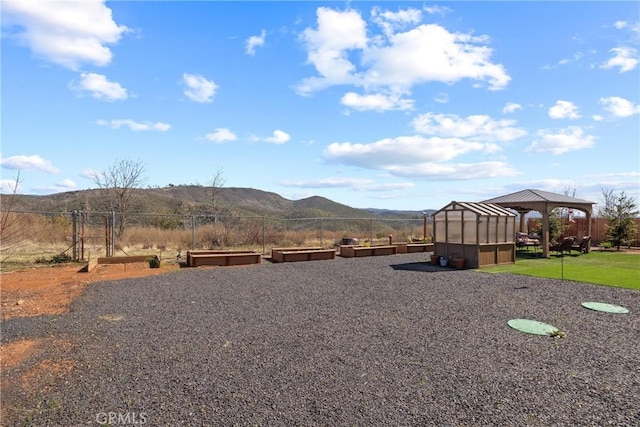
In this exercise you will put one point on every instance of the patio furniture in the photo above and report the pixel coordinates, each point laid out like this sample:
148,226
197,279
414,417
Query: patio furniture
564,246
524,241
582,245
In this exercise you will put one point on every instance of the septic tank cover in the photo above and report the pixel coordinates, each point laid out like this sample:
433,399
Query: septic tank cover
532,326
607,308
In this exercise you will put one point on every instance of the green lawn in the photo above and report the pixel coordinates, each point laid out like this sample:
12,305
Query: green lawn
602,268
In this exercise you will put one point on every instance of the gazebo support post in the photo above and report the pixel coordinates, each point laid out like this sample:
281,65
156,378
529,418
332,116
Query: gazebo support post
588,223
545,232
523,221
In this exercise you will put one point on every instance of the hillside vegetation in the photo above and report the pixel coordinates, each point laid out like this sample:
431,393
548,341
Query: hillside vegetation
194,199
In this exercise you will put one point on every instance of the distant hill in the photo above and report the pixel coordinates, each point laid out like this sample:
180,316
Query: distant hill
194,199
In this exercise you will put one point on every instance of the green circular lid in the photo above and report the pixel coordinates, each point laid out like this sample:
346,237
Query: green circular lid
607,308
532,326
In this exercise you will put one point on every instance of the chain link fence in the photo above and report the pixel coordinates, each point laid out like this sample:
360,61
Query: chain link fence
85,235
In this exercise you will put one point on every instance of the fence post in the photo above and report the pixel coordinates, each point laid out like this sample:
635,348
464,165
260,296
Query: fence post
371,232
113,233
322,232
82,223
74,234
193,232
264,234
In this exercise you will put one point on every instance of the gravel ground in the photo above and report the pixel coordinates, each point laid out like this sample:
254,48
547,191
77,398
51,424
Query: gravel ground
362,341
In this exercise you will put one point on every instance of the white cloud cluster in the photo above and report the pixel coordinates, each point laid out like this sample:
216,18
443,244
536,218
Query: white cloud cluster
417,156
198,88
134,126
511,107
221,135
99,87
24,162
564,110
69,33
475,127
625,58
407,53
253,42
278,137
619,107
60,186
354,183
376,102
568,139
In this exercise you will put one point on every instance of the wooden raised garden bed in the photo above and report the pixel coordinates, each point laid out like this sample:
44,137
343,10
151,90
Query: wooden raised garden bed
358,251
301,254
222,258
409,248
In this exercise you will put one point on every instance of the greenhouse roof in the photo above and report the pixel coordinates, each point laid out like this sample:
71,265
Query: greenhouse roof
484,209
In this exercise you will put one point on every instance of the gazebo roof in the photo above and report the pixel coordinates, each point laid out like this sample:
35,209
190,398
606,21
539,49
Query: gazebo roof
538,200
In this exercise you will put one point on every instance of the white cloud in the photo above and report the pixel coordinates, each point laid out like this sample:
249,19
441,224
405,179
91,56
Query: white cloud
134,126
337,33
255,41
376,102
476,127
442,98
455,171
440,10
624,58
564,110
391,22
8,186
397,60
569,139
355,183
69,33
34,162
619,107
66,183
278,137
564,61
621,24
418,157
100,88
511,107
221,135
431,53
198,88
58,187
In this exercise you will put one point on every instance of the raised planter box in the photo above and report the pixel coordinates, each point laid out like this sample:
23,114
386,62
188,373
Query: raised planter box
409,248
222,258
302,254
359,251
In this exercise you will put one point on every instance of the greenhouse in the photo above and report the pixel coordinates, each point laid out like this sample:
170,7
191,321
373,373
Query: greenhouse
480,233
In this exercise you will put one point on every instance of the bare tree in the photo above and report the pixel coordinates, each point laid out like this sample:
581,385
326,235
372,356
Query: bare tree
119,183
217,182
12,225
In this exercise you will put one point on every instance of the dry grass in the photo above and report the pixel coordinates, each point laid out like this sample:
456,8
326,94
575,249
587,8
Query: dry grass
37,237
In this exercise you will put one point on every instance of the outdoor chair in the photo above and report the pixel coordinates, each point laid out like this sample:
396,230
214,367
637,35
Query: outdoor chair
581,246
564,246
524,241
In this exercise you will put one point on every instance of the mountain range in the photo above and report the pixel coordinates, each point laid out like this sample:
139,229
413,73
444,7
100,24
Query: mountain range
196,199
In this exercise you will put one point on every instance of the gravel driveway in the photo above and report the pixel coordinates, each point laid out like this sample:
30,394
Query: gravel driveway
384,340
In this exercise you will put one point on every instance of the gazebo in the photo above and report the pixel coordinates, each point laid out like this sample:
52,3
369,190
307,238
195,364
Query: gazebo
544,202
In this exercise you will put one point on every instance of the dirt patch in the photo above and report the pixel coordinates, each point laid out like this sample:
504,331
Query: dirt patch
15,353
50,290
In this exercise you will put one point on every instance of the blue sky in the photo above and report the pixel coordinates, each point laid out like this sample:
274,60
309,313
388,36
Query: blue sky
397,105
